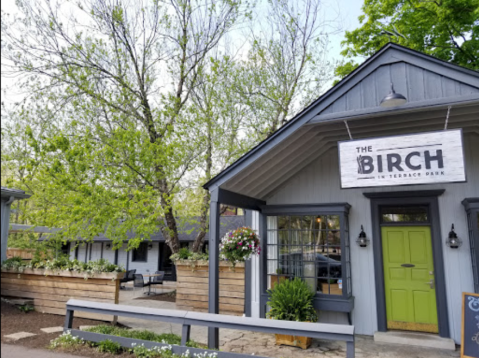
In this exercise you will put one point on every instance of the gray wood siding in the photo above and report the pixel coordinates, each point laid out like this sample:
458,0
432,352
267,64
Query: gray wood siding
319,183
416,83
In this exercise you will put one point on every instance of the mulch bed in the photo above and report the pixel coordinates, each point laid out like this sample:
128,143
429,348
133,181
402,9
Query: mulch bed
13,321
166,297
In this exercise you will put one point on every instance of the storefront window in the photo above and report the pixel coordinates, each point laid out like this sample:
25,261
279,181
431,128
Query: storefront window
312,247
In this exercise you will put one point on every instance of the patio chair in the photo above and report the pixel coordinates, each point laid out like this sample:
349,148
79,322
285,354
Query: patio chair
129,276
158,280
140,282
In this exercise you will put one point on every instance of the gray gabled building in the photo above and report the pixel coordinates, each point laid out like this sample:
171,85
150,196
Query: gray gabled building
358,193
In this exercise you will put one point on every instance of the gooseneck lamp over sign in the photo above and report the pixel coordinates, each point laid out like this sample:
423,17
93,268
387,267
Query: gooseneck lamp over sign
393,99
362,240
453,241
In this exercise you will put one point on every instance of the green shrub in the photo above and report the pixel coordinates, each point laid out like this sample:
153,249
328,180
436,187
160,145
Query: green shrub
109,346
62,263
167,338
186,255
292,300
13,263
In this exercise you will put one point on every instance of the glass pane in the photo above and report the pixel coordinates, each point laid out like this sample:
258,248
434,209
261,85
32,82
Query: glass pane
308,237
272,237
284,237
333,238
307,223
295,237
272,266
283,222
404,214
272,223
296,222
272,252
333,222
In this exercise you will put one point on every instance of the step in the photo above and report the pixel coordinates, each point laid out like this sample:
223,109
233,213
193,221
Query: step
415,339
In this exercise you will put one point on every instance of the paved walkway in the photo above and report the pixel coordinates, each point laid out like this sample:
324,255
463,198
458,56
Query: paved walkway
264,344
9,351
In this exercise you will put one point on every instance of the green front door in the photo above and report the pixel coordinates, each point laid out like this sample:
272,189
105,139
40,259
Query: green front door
409,278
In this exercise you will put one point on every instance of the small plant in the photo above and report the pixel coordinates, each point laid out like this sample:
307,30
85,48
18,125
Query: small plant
140,351
66,340
26,308
186,255
292,300
239,245
14,263
63,263
109,346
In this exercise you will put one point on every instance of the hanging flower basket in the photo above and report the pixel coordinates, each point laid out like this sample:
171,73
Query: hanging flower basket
239,245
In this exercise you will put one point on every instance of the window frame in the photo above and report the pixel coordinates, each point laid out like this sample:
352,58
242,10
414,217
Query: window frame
135,252
472,209
322,301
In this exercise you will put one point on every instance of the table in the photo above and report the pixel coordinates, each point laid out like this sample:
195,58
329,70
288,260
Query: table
149,282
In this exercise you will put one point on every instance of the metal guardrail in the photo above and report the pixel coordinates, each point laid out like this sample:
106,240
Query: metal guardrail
187,319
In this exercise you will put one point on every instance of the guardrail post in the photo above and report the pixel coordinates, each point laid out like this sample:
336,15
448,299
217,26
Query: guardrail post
214,279
185,334
350,349
68,320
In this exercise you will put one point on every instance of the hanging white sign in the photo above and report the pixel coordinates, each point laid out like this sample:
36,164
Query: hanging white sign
423,158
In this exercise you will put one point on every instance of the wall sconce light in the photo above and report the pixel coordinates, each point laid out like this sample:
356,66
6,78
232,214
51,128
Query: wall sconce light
362,240
150,246
318,219
393,99
108,246
453,241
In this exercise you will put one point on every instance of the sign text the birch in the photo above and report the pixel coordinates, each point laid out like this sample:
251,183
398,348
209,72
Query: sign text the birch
423,158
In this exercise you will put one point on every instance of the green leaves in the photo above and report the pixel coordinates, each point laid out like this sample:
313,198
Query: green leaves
292,300
445,29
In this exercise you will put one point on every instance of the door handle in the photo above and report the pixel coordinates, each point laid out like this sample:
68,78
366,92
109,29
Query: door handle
431,283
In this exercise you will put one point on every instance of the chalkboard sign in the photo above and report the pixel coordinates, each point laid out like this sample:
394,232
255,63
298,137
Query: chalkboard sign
470,325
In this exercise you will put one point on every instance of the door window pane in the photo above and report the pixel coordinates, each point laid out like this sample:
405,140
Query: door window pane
408,214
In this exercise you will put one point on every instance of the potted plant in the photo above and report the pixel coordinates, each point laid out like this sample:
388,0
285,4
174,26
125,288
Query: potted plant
292,300
239,245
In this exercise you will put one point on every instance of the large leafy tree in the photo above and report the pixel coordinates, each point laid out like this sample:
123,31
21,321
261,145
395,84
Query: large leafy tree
109,82
446,29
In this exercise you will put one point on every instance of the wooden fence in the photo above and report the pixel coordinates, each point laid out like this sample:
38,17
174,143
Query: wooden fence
50,290
192,287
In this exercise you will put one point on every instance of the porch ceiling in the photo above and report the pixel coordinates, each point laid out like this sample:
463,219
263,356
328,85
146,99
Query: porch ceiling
274,168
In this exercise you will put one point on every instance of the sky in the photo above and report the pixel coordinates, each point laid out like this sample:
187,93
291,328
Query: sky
346,10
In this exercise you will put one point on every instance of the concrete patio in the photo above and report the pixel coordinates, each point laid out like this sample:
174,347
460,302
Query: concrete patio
264,344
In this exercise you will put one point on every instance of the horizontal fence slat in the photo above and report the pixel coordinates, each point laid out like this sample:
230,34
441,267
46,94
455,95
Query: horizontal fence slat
228,300
205,274
204,292
50,297
199,286
58,291
89,281
75,286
